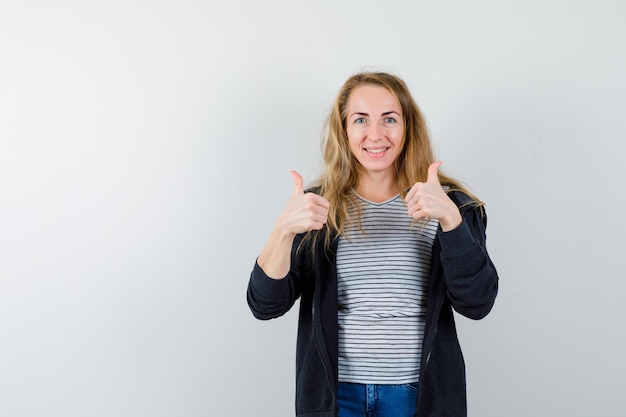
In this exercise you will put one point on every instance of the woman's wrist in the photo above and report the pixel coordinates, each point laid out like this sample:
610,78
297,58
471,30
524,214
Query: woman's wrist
451,222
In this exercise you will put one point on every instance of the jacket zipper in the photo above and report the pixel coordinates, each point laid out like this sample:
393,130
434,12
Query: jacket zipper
319,353
429,345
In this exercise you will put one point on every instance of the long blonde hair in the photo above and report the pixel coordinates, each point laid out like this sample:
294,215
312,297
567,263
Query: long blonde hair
341,168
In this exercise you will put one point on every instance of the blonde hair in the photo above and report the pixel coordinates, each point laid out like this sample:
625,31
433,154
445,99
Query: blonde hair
341,168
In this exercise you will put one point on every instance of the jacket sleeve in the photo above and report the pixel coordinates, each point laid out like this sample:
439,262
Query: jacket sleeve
470,276
269,298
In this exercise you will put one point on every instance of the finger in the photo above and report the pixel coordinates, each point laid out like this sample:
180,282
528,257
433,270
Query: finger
318,200
298,183
417,187
416,214
319,209
433,172
410,194
415,211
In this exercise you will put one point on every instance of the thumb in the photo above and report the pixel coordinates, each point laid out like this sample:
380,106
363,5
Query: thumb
433,172
298,183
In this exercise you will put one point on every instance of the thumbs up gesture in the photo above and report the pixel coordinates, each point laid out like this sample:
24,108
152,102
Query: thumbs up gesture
427,200
304,211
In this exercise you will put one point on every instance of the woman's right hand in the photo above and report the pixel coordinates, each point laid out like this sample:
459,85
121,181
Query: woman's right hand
304,211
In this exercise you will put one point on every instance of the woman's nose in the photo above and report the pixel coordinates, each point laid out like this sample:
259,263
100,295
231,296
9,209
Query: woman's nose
375,131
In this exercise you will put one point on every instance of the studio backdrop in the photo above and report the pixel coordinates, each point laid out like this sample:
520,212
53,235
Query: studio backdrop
145,150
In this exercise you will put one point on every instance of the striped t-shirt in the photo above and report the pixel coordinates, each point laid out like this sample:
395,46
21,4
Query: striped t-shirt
383,276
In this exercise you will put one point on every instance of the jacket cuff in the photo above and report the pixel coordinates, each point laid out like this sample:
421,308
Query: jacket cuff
457,240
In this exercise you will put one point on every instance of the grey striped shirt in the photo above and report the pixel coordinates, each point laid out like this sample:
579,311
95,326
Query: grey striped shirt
383,277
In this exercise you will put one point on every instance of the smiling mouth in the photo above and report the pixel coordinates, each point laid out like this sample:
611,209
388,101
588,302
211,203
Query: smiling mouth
376,151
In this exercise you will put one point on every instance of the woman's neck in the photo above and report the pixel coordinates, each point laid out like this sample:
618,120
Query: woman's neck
377,188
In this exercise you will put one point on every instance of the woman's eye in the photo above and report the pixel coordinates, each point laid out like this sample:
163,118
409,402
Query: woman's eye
360,120
390,120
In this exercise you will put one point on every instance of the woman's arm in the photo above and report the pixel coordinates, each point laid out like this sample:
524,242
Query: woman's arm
471,277
273,286
270,298
304,212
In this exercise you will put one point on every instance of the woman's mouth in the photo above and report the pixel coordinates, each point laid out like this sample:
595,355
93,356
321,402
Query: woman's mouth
376,151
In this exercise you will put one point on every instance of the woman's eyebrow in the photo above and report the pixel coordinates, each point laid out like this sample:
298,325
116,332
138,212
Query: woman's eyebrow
387,113
357,113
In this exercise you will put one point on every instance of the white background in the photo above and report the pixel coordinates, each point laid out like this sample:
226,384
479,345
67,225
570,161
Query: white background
145,150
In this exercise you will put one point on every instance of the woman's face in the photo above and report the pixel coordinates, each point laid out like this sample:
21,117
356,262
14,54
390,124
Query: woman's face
375,128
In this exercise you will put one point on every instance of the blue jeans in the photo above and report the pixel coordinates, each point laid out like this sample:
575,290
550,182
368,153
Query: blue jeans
373,400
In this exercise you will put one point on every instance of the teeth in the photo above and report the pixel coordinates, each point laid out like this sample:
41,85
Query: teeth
376,150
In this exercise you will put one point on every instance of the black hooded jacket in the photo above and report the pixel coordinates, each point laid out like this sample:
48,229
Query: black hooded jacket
462,277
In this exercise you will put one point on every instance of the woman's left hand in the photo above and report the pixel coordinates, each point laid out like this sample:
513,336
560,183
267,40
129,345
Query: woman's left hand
427,200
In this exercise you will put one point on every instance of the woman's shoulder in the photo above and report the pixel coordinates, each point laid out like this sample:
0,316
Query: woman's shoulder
468,205
460,197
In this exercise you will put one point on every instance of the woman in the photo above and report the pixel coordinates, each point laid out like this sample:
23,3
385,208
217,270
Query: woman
379,252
